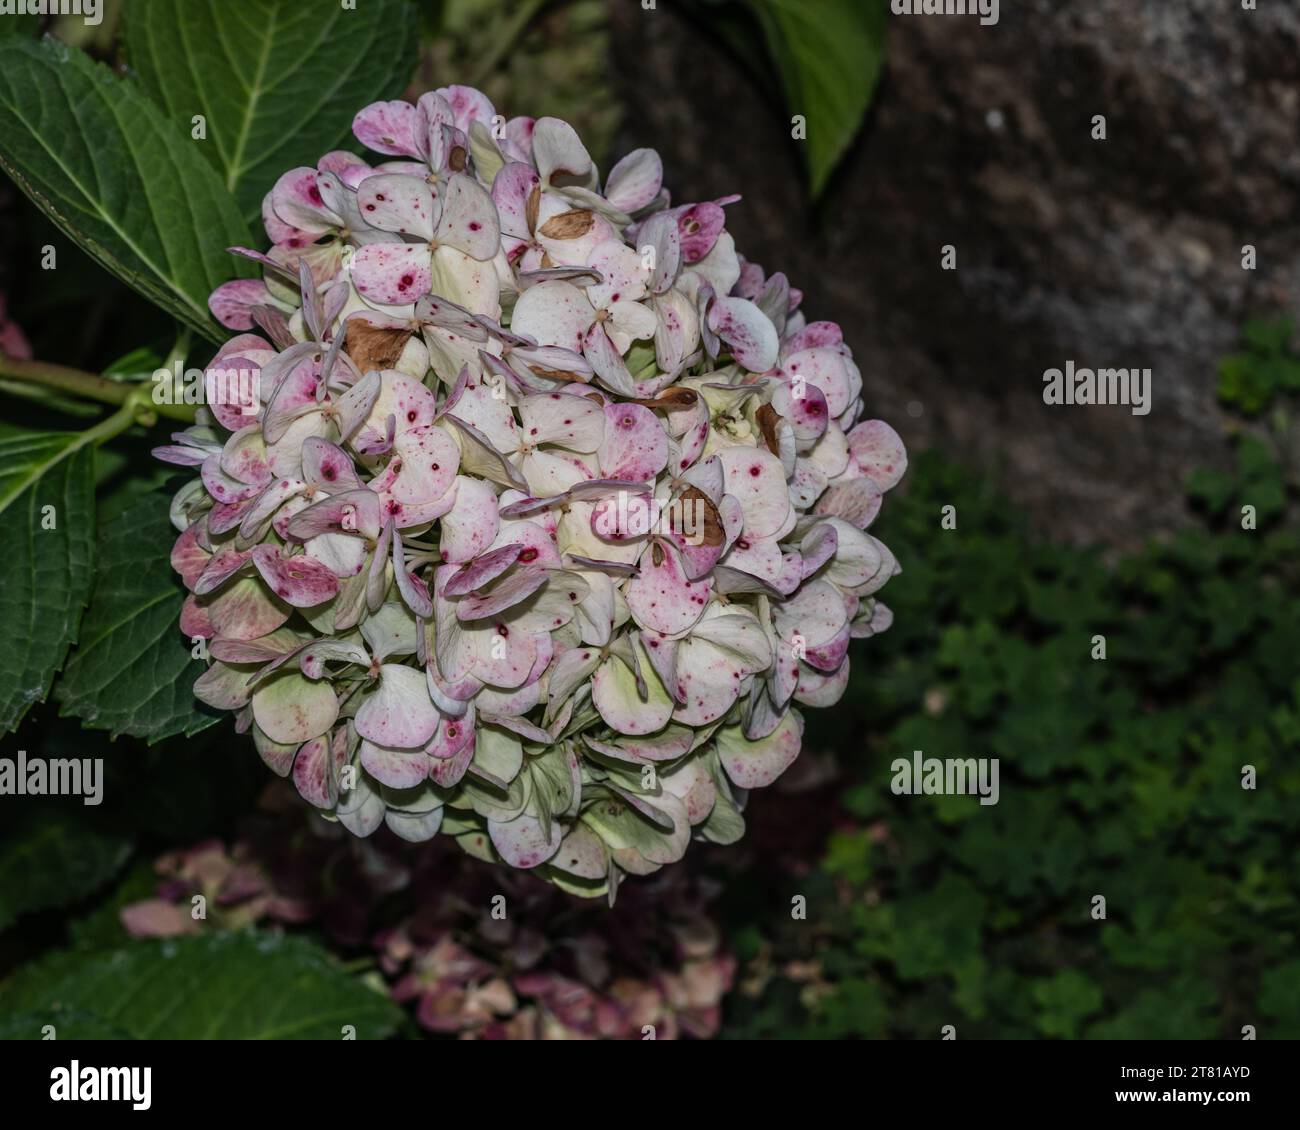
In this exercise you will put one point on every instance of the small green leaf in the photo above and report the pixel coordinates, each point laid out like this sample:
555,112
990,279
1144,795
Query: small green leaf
829,54
277,81
214,986
116,176
133,672
47,507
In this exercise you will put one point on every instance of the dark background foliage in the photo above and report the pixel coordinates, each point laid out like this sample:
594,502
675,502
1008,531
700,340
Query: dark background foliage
1120,777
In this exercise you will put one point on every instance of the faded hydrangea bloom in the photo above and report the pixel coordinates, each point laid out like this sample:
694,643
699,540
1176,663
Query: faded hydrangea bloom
528,509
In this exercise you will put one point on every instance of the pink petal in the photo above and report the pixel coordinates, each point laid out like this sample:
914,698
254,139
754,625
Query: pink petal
392,274
300,581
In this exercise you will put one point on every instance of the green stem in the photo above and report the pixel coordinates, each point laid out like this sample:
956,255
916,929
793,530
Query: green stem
90,387
522,16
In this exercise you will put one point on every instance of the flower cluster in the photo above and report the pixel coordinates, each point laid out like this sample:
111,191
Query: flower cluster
538,971
527,508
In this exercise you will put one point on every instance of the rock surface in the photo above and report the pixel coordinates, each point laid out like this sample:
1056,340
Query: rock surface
1116,253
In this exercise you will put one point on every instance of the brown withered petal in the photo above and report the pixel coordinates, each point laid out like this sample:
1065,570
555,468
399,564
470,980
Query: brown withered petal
768,417
573,224
557,374
713,533
374,347
671,398
532,207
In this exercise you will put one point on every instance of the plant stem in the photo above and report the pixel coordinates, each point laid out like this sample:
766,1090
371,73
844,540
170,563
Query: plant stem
90,387
522,16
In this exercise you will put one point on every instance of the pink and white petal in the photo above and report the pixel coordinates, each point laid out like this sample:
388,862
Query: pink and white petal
511,188
504,594
469,218
553,363
447,772
553,313
399,713
821,690
482,570
388,127
815,335
426,462
829,370
635,447
188,557
856,500
818,546
699,226
558,152
414,591
812,617
693,785
245,611
471,525
354,511
326,465
357,404
257,517
223,565
623,270
471,283
635,181
661,598
557,418
523,842
453,736
296,199
400,204
230,390
396,768
829,656
879,453
755,477
749,332
615,695
509,667
434,310
231,303
808,412
392,274
300,581
629,322
292,709
756,764
607,361
468,105
408,400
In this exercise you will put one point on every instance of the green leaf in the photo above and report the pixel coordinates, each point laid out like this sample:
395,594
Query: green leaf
116,176
44,573
71,1026
133,672
53,856
829,54
244,986
20,25
278,81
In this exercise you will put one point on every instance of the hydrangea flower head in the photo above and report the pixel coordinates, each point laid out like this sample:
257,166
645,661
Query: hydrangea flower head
528,511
